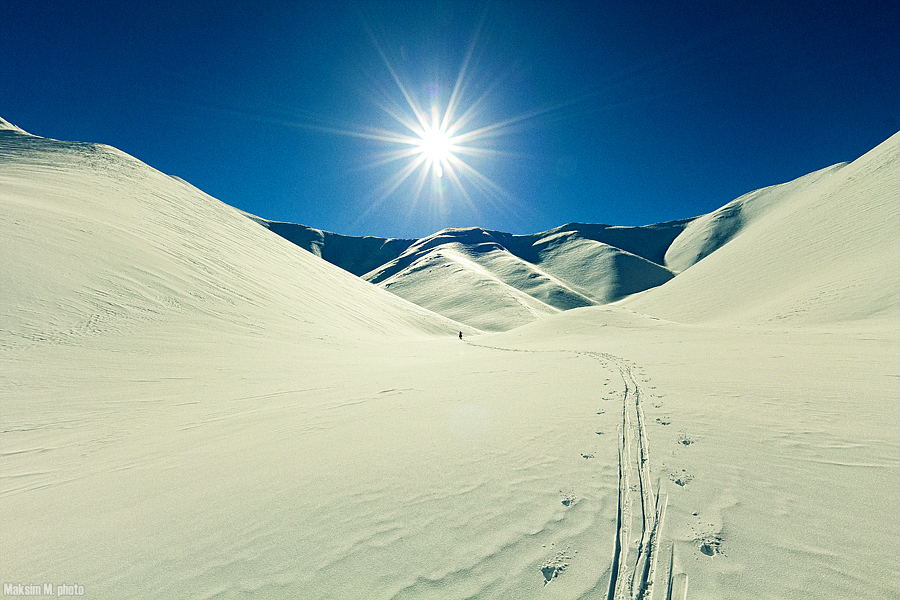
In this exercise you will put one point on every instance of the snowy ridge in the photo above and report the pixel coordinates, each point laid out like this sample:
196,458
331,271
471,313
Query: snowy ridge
561,269
7,126
706,234
496,281
504,279
358,255
822,248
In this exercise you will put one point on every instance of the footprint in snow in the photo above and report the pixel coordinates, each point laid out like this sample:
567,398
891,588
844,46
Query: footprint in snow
552,568
711,545
682,479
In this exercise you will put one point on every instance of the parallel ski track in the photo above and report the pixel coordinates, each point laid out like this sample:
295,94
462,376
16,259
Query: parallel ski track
633,561
637,508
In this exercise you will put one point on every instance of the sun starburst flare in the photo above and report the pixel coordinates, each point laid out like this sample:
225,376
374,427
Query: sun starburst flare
438,148
434,142
441,145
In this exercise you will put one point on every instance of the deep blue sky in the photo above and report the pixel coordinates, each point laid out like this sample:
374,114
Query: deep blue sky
642,111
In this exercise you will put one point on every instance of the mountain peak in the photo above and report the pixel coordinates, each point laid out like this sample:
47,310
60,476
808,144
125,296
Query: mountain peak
7,126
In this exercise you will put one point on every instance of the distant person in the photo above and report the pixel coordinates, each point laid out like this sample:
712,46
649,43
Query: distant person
460,335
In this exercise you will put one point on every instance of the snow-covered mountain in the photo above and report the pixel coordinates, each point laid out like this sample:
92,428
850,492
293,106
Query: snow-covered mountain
358,255
193,406
496,281
821,248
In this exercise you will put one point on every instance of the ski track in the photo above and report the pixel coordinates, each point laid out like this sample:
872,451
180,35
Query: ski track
631,575
635,553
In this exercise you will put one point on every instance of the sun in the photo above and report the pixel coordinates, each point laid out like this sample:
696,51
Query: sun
436,146
438,137
437,140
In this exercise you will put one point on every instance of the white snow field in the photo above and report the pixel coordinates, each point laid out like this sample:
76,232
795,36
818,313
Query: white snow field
191,406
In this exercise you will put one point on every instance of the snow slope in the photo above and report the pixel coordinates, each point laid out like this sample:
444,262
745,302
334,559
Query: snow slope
707,233
822,248
195,407
358,255
7,126
496,281
600,270
131,247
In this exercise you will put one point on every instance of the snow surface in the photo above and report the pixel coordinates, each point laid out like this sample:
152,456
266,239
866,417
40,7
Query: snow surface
193,406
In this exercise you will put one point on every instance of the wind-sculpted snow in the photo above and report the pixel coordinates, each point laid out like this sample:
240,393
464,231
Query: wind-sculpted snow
7,126
600,271
453,280
568,267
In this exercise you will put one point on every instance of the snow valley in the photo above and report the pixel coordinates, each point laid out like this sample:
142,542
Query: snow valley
200,403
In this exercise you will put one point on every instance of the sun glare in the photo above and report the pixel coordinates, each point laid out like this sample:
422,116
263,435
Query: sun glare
439,149
439,145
